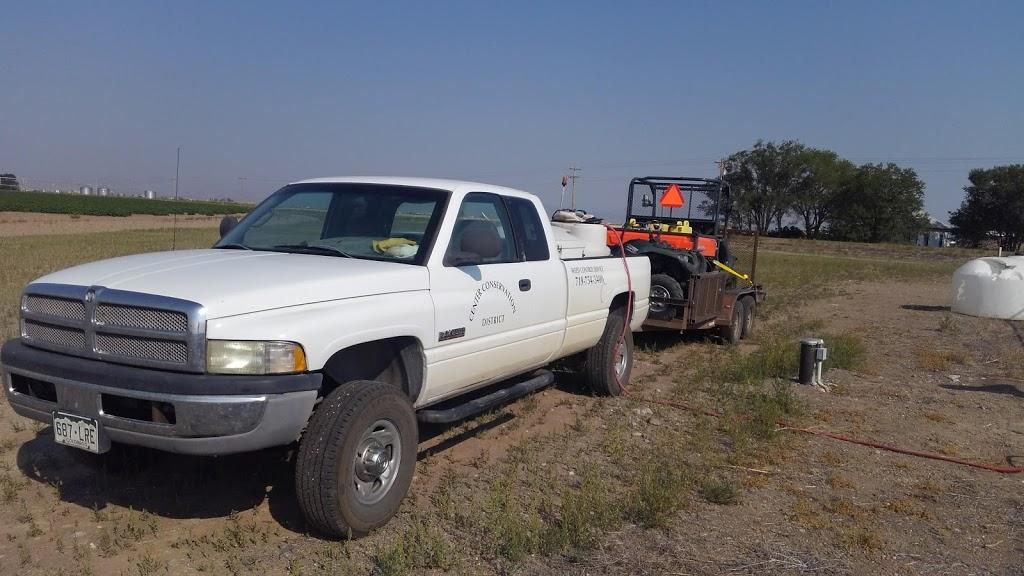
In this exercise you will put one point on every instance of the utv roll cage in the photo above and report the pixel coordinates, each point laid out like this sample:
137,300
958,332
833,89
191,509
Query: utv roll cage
707,203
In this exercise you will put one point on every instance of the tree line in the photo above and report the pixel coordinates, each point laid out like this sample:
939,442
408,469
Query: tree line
772,183
992,210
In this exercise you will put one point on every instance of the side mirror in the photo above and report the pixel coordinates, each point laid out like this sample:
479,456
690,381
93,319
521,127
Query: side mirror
227,223
646,202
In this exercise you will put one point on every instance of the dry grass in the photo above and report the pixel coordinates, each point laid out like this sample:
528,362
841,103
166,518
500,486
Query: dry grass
940,360
551,496
51,253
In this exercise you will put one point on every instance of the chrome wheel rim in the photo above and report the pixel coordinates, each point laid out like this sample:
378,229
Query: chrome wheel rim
377,458
659,291
621,357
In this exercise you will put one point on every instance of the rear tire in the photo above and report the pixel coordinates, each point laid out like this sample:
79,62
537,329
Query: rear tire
749,316
610,361
732,333
664,286
356,458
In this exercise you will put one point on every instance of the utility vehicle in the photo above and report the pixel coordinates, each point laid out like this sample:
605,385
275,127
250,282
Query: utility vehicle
680,223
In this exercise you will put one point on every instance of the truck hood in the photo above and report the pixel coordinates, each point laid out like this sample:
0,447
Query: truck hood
232,282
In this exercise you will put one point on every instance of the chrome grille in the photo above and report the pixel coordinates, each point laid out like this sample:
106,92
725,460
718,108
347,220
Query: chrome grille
115,325
148,318
148,348
56,335
57,307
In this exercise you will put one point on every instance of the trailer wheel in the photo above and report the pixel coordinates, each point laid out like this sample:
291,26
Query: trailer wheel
356,458
610,361
732,333
664,286
749,315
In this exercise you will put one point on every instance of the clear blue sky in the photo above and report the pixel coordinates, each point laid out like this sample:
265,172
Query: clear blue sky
511,94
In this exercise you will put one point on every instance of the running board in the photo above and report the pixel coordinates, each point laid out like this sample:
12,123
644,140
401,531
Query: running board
540,379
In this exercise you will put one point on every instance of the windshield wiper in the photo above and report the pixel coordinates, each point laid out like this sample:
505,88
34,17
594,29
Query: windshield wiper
234,246
307,249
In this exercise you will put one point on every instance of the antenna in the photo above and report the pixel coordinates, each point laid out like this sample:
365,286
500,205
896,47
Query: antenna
174,226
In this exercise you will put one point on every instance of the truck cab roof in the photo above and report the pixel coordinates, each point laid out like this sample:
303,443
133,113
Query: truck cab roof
437,183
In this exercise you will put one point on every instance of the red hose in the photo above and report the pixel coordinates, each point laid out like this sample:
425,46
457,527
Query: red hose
784,425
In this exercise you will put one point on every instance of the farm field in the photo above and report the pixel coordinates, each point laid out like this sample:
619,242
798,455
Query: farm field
564,483
34,223
12,201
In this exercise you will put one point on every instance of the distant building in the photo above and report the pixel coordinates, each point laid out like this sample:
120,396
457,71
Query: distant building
85,190
937,234
149,194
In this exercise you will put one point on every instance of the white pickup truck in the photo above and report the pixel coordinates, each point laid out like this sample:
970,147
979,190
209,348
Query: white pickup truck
339,312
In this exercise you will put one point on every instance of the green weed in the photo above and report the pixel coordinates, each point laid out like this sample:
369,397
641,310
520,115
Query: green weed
718,491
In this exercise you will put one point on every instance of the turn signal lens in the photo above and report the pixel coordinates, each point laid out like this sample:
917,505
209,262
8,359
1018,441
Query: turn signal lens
254,357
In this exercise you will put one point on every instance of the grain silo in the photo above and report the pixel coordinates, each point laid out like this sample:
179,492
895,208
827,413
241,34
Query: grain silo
149,194
85,190
103,191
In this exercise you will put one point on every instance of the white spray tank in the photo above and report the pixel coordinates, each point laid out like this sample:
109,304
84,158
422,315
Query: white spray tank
990,287
576,238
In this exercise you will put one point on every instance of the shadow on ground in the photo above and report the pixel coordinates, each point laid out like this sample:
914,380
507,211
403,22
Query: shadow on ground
925,308
1007,389
663,340
170,485
188,487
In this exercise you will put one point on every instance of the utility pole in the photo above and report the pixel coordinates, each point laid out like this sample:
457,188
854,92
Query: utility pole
174,226
573,170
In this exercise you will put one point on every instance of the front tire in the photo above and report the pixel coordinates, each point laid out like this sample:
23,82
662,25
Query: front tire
356,459
610,361
664,286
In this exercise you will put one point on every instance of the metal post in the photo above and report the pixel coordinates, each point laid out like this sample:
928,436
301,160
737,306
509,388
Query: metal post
808,359
174,226
753,259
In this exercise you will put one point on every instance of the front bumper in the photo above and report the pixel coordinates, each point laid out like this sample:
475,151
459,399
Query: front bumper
171,411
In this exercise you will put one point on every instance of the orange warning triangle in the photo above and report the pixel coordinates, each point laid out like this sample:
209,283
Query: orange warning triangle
672,198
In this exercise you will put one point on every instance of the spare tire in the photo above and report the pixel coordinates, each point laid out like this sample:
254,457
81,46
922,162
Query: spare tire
664,286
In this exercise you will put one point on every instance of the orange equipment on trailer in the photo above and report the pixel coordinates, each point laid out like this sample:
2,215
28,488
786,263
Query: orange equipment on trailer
651,215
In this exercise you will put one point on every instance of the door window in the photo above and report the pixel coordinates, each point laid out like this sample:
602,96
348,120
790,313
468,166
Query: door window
482,233
533,245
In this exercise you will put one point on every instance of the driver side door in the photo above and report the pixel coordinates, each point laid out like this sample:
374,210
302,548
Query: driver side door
487,312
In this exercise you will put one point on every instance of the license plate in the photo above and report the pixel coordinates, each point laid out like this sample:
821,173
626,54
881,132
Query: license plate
76,431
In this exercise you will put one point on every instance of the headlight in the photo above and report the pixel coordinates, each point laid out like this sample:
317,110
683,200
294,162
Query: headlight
254,357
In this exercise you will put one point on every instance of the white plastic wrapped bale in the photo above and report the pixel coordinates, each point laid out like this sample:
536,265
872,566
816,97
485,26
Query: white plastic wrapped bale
990,288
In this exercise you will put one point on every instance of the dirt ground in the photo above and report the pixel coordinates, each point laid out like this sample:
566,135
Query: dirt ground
33,223
932,381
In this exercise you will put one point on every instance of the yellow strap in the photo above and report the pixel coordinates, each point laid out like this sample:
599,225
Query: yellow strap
743,277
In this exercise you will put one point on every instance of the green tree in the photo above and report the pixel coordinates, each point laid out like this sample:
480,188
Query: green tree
763,180
882,203
817,198
993,205
9,182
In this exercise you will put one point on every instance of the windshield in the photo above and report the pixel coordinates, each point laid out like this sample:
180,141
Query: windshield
371,221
